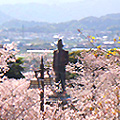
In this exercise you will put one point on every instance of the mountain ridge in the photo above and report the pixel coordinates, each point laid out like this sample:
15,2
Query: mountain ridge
4,17
107,22
57,13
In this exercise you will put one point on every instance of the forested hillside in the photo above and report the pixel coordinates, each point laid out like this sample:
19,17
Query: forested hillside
108,22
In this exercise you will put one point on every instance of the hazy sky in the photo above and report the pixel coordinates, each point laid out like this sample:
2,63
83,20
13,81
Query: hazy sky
36,1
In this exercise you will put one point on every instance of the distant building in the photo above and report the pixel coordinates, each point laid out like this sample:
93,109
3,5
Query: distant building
108,44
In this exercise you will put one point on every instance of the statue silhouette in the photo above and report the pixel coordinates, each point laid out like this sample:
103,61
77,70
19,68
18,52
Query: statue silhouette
60,60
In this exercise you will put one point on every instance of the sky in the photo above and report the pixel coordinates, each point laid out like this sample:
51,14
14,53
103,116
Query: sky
36,1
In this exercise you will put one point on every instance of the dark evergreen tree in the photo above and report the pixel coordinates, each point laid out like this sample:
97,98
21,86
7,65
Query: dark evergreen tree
15,69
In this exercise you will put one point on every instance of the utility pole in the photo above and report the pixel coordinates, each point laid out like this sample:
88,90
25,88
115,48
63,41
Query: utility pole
42,84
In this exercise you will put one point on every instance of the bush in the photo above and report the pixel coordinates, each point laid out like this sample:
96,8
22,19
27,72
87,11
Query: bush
15,69
73,57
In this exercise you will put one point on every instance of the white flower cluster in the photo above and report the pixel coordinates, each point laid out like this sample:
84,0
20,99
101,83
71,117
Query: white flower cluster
7,54
94,93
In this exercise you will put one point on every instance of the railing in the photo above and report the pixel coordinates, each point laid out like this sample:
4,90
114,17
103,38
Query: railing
40,82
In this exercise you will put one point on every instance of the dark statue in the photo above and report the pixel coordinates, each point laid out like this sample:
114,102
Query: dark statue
60,60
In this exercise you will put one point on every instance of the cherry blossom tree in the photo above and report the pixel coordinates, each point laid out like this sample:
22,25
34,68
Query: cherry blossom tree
94,92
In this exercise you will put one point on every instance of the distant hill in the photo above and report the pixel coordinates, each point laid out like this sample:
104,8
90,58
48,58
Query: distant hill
57,13
107,22
4,18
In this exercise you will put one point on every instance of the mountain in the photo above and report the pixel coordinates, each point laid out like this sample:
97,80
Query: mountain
15,23
102,23
57,13
107,22
4,18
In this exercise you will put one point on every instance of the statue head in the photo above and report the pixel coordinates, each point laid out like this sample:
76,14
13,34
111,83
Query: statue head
60,45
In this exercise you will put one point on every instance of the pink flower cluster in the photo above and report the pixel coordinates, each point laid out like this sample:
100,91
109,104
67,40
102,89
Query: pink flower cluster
94,92
7,54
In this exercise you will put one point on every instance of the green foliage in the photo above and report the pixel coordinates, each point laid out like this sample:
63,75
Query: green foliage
71,75
73,56
15,69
